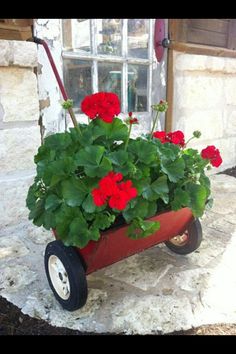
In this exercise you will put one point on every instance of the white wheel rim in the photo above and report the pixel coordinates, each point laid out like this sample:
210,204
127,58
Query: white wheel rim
59,277
180,240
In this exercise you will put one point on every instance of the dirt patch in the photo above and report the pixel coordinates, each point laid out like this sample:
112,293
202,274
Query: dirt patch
14,322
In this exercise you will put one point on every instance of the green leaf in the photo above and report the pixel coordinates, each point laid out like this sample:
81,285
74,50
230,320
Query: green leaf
127,168
58,141
174,169
71,226
78,233
85,138
118,158
205,182
181,199
38,209
198,195
139,210
115,131
144,150
44,153
99,171
140,229
167,151
52,202
88,204
149,193
152,209
95,165
31,197
56,171
160,187
103,221
73,191
94,234
49,220
90,155
39,220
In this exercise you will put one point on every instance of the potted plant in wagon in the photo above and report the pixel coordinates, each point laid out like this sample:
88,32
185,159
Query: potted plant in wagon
107,195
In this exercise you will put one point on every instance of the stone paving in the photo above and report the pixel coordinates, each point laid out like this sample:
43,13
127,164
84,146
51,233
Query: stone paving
153,292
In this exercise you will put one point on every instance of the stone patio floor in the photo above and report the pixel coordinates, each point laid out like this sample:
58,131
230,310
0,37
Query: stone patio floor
153,292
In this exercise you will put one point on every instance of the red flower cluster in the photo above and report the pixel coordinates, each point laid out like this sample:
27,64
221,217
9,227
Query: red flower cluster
176,137
116,194
212,154
104,105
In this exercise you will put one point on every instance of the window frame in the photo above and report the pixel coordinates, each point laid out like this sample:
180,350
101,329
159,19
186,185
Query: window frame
124,59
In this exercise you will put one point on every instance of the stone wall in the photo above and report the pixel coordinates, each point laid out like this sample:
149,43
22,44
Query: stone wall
50,99
205,100
19,130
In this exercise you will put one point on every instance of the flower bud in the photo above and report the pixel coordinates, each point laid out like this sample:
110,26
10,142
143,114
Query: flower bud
67,104
197,134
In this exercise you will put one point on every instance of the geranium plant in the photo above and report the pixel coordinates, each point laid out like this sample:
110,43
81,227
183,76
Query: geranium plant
96,176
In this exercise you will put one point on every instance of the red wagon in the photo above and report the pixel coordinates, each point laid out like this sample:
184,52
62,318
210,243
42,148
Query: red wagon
66,267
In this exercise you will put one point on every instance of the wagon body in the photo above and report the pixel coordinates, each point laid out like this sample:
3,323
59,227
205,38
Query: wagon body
114,245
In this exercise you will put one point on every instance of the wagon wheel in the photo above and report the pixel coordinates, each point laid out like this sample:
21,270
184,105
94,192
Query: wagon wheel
66,275
189,241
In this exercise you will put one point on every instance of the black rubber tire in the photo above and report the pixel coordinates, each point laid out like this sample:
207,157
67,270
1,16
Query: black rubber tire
75,271
193,242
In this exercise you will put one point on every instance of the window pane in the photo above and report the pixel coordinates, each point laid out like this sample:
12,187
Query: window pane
138,38
76,35
109,36
109,77
137,88
77,78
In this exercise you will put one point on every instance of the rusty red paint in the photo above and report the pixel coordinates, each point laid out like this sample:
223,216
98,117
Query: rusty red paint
159,35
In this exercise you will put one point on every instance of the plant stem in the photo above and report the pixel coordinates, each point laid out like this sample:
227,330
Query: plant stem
154,123
75,123
189,140
126,143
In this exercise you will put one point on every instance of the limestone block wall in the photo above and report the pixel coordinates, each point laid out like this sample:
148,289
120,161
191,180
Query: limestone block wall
19,129
205,100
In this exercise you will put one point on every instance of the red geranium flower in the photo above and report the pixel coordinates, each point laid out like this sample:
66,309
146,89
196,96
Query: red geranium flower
88,107
98,197
161,135
118,201
103,105
108,184
176,138
212,154
116,194
128,188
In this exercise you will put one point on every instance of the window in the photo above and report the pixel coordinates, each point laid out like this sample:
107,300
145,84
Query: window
109,55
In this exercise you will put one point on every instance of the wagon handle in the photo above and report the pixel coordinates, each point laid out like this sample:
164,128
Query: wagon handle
61,86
